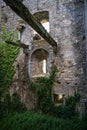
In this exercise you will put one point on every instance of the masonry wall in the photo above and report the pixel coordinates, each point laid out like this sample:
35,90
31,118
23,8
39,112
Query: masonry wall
66,20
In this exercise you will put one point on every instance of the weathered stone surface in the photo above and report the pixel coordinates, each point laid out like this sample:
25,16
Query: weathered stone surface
24,13
66,19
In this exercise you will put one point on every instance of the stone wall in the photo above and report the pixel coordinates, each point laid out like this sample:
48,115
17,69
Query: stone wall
66,19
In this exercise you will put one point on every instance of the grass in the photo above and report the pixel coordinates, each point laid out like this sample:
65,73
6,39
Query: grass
34,121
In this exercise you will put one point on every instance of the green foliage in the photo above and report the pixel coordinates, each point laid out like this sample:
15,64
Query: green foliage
8,35
72,100
43,87
53,73
33,121
63,111
8,54
84,119
11,104
43,92
16,104
69,109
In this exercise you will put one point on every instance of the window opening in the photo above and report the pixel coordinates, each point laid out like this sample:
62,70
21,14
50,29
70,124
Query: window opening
43,17
58,98
39,62
45,25
44,66
20,29
19,35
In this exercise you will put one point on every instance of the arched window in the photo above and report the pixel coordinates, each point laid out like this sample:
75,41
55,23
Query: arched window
39,62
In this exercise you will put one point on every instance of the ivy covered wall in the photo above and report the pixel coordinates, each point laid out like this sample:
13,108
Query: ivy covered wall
8,54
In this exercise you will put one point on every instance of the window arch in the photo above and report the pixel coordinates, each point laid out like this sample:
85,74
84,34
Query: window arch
39,60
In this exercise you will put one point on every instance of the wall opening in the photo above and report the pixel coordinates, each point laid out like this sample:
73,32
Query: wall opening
39,60
45,24
44,66
58,98
20,27
43,17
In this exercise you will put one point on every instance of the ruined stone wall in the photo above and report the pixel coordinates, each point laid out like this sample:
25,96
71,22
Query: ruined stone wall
69,24
66,19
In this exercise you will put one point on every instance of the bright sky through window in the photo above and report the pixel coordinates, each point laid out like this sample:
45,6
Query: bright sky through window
46,26
44,66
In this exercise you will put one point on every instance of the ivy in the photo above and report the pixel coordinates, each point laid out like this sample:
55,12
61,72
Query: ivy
43,89
8,54
11,104
72,100
69,109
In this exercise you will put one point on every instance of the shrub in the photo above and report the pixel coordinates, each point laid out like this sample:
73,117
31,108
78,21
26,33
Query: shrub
63,111
69,109
11,104
33,121
16,104
84,120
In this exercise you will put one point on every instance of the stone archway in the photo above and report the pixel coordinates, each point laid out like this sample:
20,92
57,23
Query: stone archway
40,63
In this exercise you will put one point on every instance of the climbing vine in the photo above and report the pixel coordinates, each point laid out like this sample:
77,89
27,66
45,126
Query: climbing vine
43,89
69,109
8,54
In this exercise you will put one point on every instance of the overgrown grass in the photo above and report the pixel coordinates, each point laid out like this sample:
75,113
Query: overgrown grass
34,121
